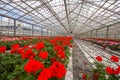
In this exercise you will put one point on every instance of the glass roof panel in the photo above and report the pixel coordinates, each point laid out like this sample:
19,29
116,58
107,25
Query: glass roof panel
3,12
63,14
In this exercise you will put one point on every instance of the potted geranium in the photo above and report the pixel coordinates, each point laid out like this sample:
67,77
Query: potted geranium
99,70
113,72
106,72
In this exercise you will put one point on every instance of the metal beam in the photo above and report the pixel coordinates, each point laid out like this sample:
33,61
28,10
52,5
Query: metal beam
39,12
32,30
67,15
15,28
28,12
52,16
74,8
89,19
78,15
107,33
50,9
18,19
110,10
105,26
94,13
83,23
32,13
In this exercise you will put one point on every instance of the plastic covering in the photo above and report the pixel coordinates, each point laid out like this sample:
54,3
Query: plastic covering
66,16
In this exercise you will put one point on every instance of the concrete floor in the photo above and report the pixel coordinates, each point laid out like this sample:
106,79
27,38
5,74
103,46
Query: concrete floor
83,57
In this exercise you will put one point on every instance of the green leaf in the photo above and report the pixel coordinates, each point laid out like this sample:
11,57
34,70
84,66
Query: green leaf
10,76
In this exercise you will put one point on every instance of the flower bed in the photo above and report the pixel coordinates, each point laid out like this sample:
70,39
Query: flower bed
103,71
44,59
110,43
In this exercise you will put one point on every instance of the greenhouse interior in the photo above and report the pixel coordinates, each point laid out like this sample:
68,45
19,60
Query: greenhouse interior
59,39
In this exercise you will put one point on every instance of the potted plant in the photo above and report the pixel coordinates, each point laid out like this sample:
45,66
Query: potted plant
112,72
106,72
99,70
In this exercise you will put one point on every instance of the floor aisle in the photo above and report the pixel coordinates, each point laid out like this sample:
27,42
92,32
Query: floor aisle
83,56
80,63
91,51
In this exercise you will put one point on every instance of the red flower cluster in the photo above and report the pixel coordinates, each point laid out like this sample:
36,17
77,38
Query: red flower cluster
65,43
45,74
99,58
39,46
43,54
60,51
57,48
14,48
33,66
62,41
28,53
20,50
61,54
110,70
114,58
58,70
59,43
2,49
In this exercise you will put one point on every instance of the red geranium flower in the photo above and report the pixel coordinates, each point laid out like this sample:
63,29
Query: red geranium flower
27,53
39,46
114,58
99,58
2,49
109,70
58,70
33,66
43,54
45,74
14,48
20,50
117,70
58,48
61,54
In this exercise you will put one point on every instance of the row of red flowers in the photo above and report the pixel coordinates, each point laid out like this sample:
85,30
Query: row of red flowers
46,59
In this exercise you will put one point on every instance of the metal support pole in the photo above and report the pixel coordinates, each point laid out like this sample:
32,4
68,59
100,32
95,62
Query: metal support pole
14,28
32,30
96,33
0,21
47,32
107,32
